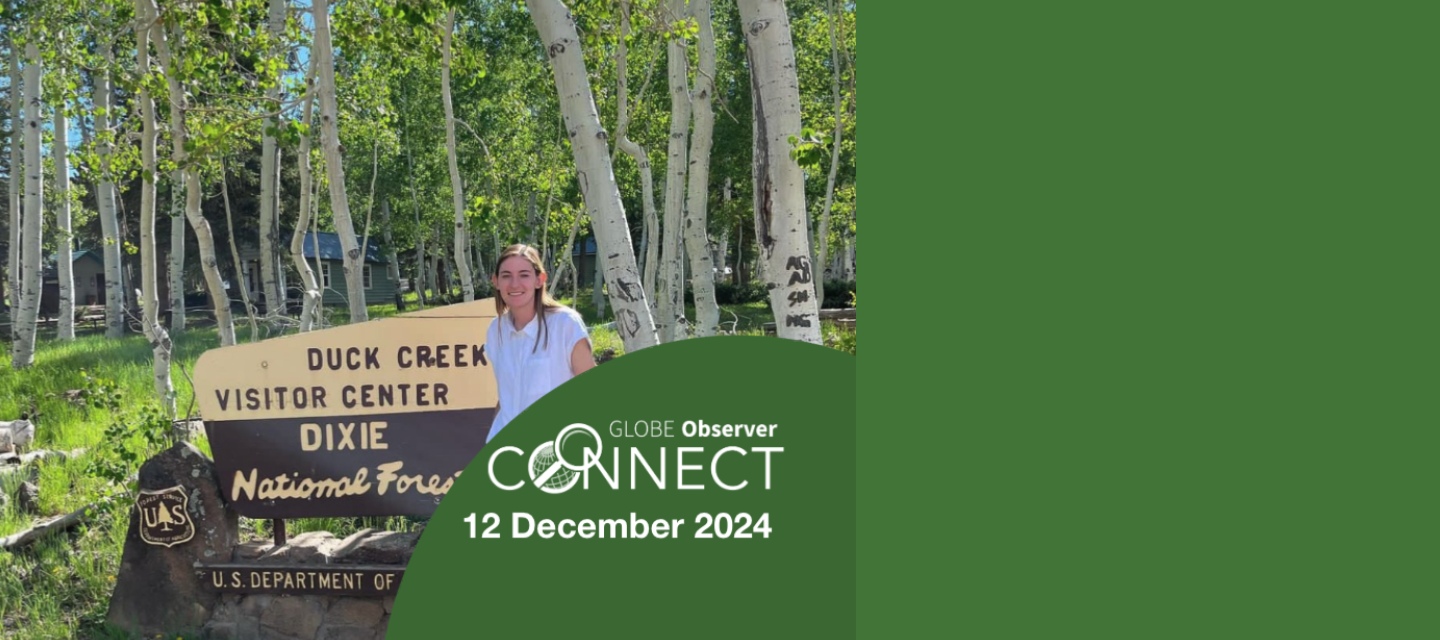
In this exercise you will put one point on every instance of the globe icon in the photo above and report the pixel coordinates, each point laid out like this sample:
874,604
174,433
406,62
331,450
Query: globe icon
542,461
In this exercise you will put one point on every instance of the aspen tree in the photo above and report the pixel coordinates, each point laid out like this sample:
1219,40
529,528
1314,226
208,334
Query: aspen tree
149,296
650,241
314,293
462,265
392,269
822,236
28,313
235,254
190,181
561,43
780,214
17,103
64,268
354,257
671,309
105,198
697,240
272,293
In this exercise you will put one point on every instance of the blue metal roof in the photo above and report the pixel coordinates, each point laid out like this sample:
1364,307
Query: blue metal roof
330,247
584,248
75,255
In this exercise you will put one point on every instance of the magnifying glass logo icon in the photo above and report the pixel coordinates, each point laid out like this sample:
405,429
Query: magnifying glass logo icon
549,469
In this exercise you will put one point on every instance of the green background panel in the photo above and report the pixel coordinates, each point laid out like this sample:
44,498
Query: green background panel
1168,273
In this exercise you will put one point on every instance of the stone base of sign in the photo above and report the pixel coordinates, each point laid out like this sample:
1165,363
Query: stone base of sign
171,589
157,590
258,616
304,616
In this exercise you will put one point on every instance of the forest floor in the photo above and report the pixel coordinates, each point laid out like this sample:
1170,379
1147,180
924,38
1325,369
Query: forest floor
59,586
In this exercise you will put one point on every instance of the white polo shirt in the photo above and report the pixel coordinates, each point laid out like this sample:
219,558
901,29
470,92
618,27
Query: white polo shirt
523,372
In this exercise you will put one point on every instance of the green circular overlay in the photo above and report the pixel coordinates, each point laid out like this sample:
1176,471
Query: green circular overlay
596,556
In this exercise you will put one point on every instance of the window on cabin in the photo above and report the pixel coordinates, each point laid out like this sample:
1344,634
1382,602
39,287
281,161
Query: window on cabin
368,283
325,275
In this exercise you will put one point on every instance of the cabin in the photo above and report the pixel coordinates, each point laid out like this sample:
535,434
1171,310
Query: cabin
379,288
88,270
583,253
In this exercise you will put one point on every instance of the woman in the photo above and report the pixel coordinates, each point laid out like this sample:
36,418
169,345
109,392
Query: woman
535,344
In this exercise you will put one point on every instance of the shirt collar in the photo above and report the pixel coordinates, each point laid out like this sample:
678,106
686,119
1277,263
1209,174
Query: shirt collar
529,331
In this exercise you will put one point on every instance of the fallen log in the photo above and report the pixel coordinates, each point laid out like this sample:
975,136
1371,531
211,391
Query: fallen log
43,529
16,464
39,455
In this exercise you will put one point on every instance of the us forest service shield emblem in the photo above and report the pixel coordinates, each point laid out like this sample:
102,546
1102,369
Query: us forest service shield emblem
164,517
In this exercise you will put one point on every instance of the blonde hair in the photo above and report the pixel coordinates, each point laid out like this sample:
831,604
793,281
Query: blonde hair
544,304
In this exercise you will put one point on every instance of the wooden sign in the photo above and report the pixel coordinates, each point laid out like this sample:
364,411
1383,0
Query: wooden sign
328,579
371,419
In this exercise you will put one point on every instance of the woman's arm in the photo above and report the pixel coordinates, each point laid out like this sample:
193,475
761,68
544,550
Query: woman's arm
582,359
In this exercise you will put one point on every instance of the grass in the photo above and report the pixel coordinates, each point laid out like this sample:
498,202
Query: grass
60,586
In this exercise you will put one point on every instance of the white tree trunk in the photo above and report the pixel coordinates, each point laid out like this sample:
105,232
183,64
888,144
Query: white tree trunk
268,284
325,281
650,238
566,259
721,259
597,294
722,252
392,269
697,240
671,309
532,221
64,268
17,220
780,213
652,219
177,187
31,236
330,128
149,296
482,272
462,264
177,246
274,295
597,181
472,253
105,200
849,266
313,292
432,271
190,180
822,236
235,255
370,208
739,236
440,257
420,280
209,260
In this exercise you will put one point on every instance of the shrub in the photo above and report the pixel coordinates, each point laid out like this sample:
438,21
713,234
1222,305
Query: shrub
838,294
729,293
603,339
838,338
